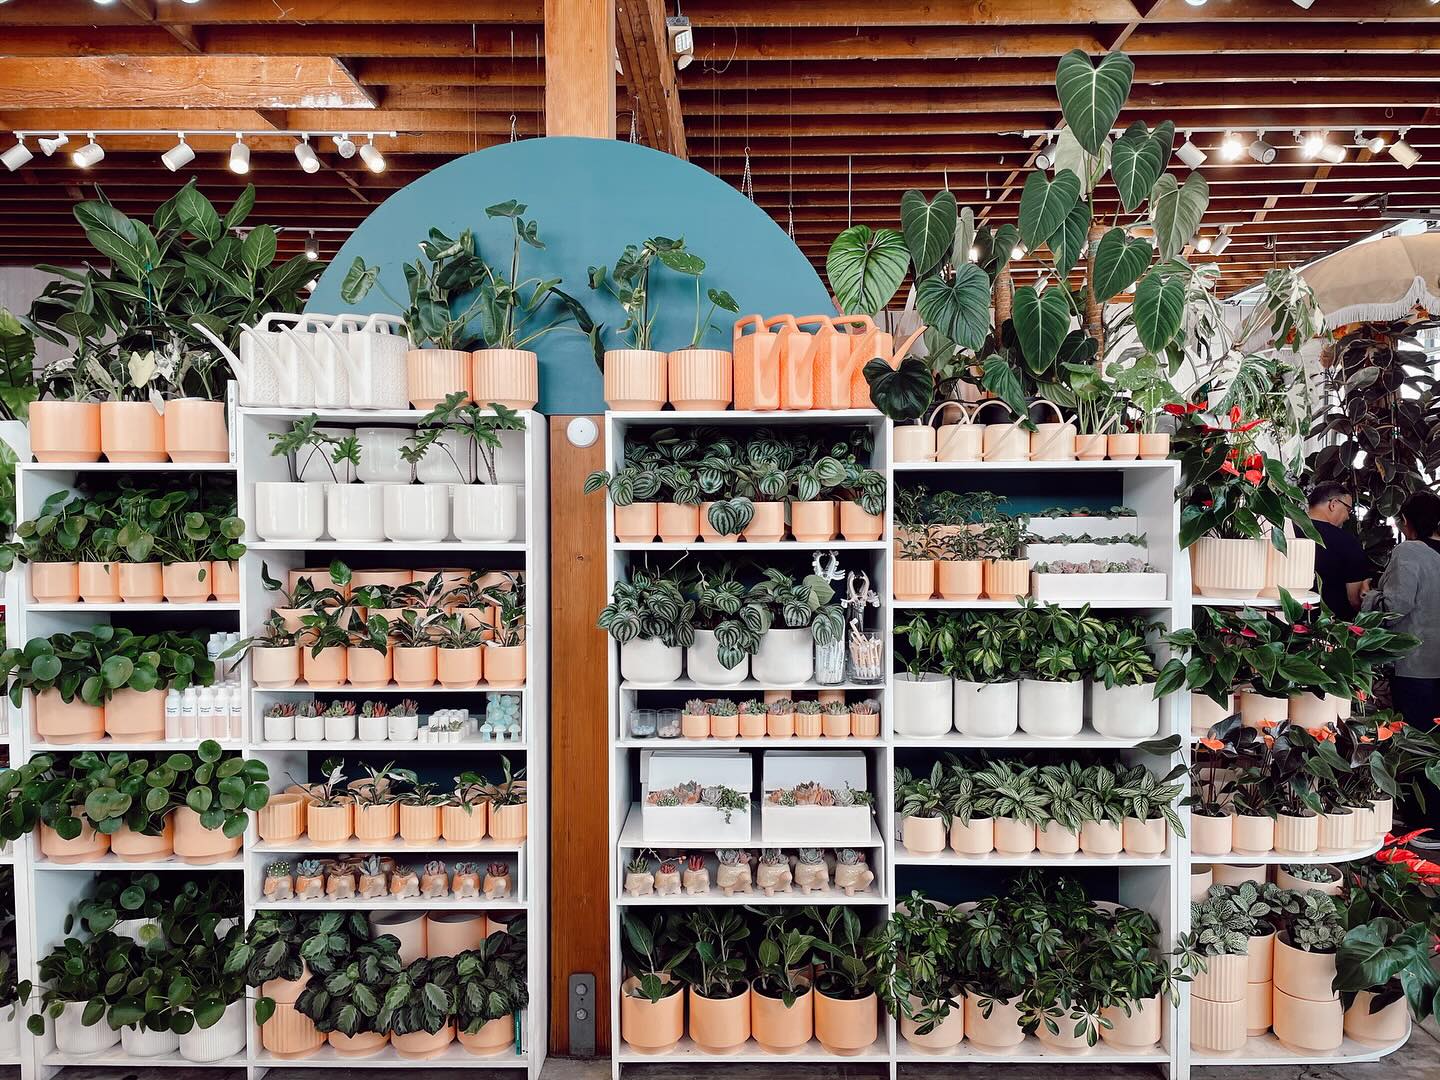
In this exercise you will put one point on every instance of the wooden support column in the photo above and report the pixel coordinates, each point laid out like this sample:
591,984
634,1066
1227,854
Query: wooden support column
579,100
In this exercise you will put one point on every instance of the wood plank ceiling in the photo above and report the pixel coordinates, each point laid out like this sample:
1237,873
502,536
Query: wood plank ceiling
843,103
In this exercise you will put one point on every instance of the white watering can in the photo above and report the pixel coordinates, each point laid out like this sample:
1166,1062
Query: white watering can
261,373
322,358
375,360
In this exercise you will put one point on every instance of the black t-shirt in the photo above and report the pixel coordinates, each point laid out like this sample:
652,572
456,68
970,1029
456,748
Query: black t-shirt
1340,561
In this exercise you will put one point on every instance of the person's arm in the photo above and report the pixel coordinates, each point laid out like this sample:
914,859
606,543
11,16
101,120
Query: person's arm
1399,589
1356,590
1358,570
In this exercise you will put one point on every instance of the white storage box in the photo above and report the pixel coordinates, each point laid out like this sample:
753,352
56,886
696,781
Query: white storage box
814,826
1084,525
694,824
1059,588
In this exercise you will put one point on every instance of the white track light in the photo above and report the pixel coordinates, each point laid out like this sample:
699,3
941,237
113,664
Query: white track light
92,153
1375,144
1195,3
312,247
1203,244
310,285
17,155
179,155
49,146
1261,150
1312,144
1191,154
682,40
345,147
1045,159
239,156
306,156
1219,244
1332,154
1400,150
1018,251
1231,147
370,154
974,254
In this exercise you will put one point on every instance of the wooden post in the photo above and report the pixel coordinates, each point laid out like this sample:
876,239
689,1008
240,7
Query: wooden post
579,100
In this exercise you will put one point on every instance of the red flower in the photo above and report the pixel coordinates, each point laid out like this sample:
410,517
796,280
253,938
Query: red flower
1249,425
1207,503
1358,631
1212,744
1229,468
1254,476
1383,732
1176,410
1254,461
1368,739
1391,838
1235,414
1268,739
1395,725
1362,697
1245,631
1300,628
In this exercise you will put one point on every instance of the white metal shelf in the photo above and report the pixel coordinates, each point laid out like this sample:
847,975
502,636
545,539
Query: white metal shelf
1031,1051
1099,603
453,1056
447,903
731,547
111,861
687,1053
125,466
1036,466
750,685
1269,1050
115,1059
211,607
1086,740
1273,858
397,846
398,746
903,857
1253,602
459,546
756,898
390,688
765,743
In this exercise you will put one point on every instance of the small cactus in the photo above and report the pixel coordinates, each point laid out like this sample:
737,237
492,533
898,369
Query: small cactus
752,708
697,707
309,868
277,869
848,856
783,707
772,856
811,856
695,863
639,864
728,856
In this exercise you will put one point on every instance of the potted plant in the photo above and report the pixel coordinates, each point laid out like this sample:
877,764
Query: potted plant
846,1013
508,806
1016,802
716,973
1055,655
924,701
785,654
701,378
733,625
923,805
1005,570
294,510
1123,699
484,512
652,620
345,1005
1067,807
417,513
1308,1015
1149,805
491,991
633,488
635,376
1221,928
220,791
918,980
782,1012
66,425
652,1007
74,978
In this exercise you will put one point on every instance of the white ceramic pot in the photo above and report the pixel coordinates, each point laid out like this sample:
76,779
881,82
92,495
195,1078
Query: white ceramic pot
1053,710
289,512
140,1043
340,728
924,705
448,462
73,1037
314,465
417,513
703,664
1205,713
785,657
1228,569
279,729
140,931
373,728
404,728
309,729
225,1038
1124,712
380,460
9,1036
486,513
987,710
355,513
650,662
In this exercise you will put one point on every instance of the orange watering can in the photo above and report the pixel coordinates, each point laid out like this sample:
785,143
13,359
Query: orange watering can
757,366
797,378
829,363
867,341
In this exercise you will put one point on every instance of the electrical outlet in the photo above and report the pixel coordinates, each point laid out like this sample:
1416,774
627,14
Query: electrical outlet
582,1015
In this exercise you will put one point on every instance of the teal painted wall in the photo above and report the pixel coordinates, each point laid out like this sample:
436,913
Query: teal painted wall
590,197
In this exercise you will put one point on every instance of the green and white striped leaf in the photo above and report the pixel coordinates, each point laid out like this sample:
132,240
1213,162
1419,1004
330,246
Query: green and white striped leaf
1041,322
1119,262
928,226
1159,307
1068,243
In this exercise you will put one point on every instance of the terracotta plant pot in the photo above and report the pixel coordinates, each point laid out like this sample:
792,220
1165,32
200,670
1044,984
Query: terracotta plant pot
505,666
999,1031
637,523
1334,887
414,666
1122,446
1217,1025
99,582
1102,838
1294,571
289,1033
1297,835
1210,835
136,715
409,928
1139,1029
87,847
1090,447
700,379
1054,839
431,375
1201,878
461,826
55,582
767,526
1260,958
1006,579
376,823
635,380
1307,1026
865,725
1223,979
57,721
1014,837
508,823
225,582
275,668
814,522
494,1037
142,583
282,819
419,824
452,932
960,580
859,526
1155,446
651,1027
195,430
1383,1028
923,835
64,431
1258,1013
131,432
914,579
330,824
1228,569
509,377
196,844
459,669
422,1045
368,668
779,1030
697,725
361,1044
944,1036
327,670
676,522
1304,974
720,1025
186,583
131,846
844,1026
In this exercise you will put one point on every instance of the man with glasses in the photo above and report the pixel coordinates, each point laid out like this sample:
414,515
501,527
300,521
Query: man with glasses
1341,563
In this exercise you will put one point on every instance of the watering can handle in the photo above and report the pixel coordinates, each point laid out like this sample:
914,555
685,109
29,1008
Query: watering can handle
230,357
849,322
740,325
985,454
382,324
1035,451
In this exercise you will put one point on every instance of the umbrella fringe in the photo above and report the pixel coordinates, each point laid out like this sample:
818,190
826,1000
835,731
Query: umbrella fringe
1418,293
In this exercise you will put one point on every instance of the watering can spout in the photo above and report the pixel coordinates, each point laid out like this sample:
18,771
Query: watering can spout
236,364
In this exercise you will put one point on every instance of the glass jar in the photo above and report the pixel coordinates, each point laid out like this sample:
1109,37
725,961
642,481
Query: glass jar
866,657
642,723
667,723
830,663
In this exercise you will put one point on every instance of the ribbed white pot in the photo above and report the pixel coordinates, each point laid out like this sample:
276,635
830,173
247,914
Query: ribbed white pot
1124,712
924,705
285,511
650,661
355,513
486,513
987,710
1294,571
404,728
702,663
225,1039
786,657
1052,710
417,513
73,1037
1228,569
140,1043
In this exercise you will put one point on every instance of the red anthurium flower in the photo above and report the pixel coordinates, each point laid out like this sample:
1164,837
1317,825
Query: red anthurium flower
1207,503
1235,414
1358,631
1383,732
1176,410
1229,468
1268,739
1368,739
1391,838
1395,725
1361,696
1254,476
1249,425
1300,628
1254,461
1212,744
1245,631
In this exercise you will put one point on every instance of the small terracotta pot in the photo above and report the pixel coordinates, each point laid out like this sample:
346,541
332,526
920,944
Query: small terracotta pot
433,374
368,668
505,666
509,377
285,991
857,525
131,431
1258,1014
87,847
844,1026
414,666
275,668
99,582
57,721
330,824
1383,1028
64,431
1145,837
1090,447
422,1045
923,835
767,526
186,583
637,523
1228,569
1007,579
494,1037
1257,710
1217,1025
1306,1026
195,430
1054,839
914,579
676,522
1253,834
1140,1028
225,582
697,726
865,725
1102,838
1297,835
1210,835
282,819
807,725
376,822
1260,958
779,1030
1201,878
960,580
1223,979
460,669
136,715
452,932
508,823
1122,446
1238,873
752,726
419,824
141,583
289,1033
700,379
1303,974
635,380
1014,837
1155,446
720,1025
651,1027
707,534
196,844
458,826
361,1044
327,670
943,1037
999,1031
977,837
55,582
814,522
131,846
833,726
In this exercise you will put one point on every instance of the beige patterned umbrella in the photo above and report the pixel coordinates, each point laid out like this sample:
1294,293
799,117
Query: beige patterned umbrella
1378,281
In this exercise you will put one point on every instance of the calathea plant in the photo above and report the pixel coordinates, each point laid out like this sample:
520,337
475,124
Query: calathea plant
349,1000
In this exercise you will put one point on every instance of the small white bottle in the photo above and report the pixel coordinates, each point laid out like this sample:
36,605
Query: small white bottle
172,715
205,713
189,714
234,721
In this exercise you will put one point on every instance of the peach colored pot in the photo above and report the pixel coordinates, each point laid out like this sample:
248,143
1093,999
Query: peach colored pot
459,669
1253,834
814,522
1260,958
421,1045
807,725
1306,1026
915,442
330,824
459,826
768,524
195,430
999,1031
719,1025
275,668
1140,1028
635,380
431,375
1303,974
376,823
282,819
419,824
1228,569
1122,446
508,822
408,926
361,1044
87,847
944,1036
131,431
509,377
1201,878
142,583
707,534
64,431
505,666
637,523
196,844
285,991
1383,1028
677,523
700,379
1206,714
1154,446
1090,447
414,666
1286,880
975,838
1102,838
1014,837
136,715
453,932
290,1034
1145,837
693,726
914,579
857,525
865,725
57,721
1238,873
131,846
1297,835
1217,1025
960,580
1055,839
1223,979
651,1027
1006,579
833,726
1258,1014
366,668
779,1030
186,583
923,836
494,1037
844,1026
1210,835
327,670
99,582
752,726
55,582
225,582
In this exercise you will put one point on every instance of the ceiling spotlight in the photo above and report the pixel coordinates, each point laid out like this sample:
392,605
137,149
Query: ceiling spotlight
1400,150
1332,154
104,3
1231,147
682,40
344,146
310,285
1306,4
179,155
1220,243
370,154
974,254
312,247
239,156
90,154
1312,144
305,154
1191,154
49,146
1018,251
1261,150
1195,3
1375,144
1203,244
1045,159
17,155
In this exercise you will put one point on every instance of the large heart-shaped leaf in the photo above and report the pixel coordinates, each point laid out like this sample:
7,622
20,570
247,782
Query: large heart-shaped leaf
1068,243
1139,158
901,393
959,309
1001,244
1159,307
1069,154
1091,96
928,227
865,268
1044,204
964,236
1119,262
1041,322
1176,210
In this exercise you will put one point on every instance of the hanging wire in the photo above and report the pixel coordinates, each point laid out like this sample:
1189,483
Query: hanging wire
514,134
790,153
849,189
634,126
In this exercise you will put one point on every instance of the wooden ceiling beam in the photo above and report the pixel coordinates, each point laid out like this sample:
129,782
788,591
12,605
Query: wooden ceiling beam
855,13
448,71
885,43
643,46
268,12
1283,37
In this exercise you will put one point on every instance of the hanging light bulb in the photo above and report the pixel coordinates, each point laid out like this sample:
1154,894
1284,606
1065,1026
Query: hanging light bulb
17,156
49,146
343,144
1375,144
179,155
1400,150
1332,153
1231,147
306,156
1312,144
92,153
1202,245
239,156
370,154
1220,243
312,247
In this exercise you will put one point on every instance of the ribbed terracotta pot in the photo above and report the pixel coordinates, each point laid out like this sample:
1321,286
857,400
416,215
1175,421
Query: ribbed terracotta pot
136,715
282,819
1258,1015
327,670
960,579
1228,873
914,579
1383,1028
1102,838
509,377
289,1033
865,725
57,721
1138,1029
636,523
330,824
1312,710
423,1045
195,430
1384,815
1258,710
131,846
433,374
779,1030
1006,579
815,521
845,1026
676,523
494,1037
275,668
857,524
767,526
462,825
1304,974
1297,835
508,822
1217,1025
1260,958
419,824
719,1025
1014,837
1201,878
55,582
1228,569
99,582
944,1036
1223,979
376,823
1306,1026
700,379
1145,837
131,432
636,380
186,583
64,431
361,1044
1211,835
368,668
1363,831
1253,834
651,1027
998,1032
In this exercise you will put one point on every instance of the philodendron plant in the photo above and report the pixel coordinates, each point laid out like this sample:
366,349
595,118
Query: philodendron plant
444,291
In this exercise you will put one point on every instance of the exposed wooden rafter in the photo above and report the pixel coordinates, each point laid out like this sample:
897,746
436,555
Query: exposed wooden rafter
649,73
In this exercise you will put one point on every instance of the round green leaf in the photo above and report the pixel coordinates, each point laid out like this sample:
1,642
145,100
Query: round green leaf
1119,262
901,393
959,309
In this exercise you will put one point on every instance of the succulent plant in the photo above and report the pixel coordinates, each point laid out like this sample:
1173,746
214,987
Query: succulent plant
666,798
466,868
772,856
783,707
723,707
807,708
835,708
279,868
309,868
406,707
728,856
371,866
281,708
867,707
786,797
339,708
697,707
497,869
307,709
374,708
669,866
435,866
752,708
639,863
811,856
848,856
695,863
845,797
